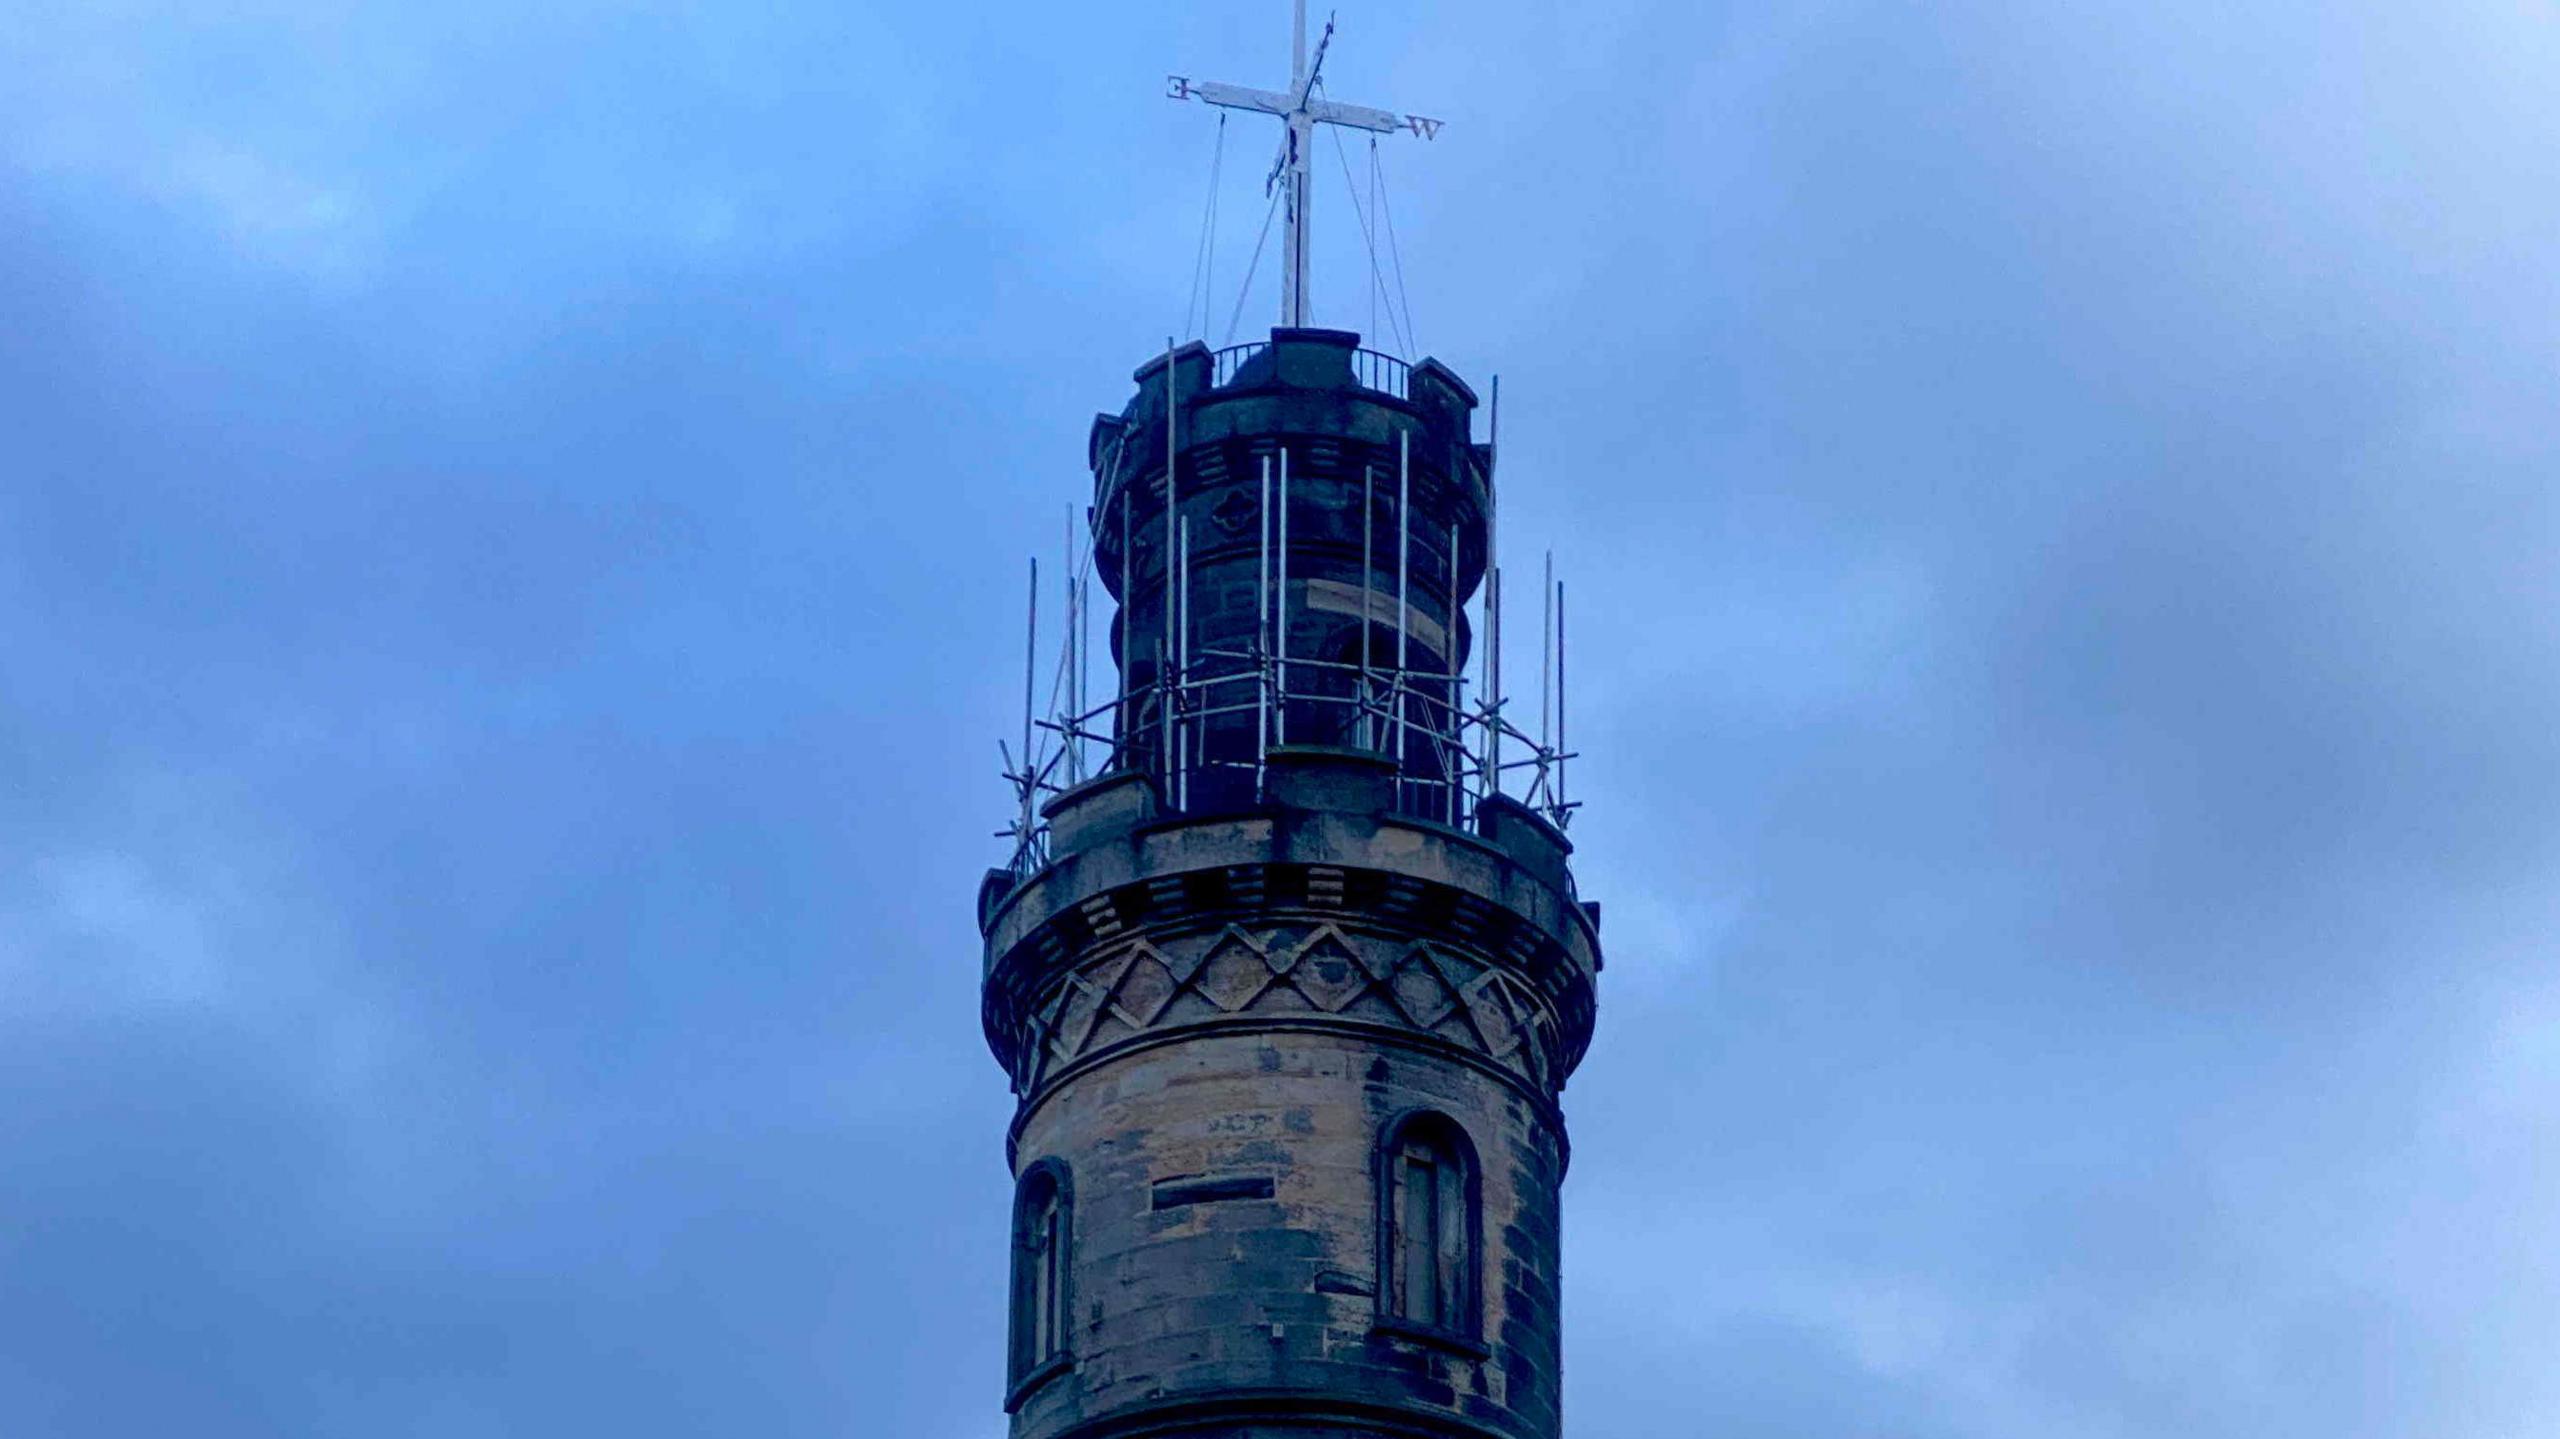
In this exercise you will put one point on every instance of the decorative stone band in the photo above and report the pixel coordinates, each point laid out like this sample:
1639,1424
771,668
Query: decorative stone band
1302,968
1347,951
1320,909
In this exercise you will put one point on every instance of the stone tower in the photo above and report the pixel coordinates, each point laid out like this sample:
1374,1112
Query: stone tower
1288,991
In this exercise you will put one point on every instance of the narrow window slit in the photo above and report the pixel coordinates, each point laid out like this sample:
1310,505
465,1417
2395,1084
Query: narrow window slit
1193,1189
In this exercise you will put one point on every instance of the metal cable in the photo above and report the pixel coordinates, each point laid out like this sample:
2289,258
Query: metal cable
1377,280
1204,253
1387,215
1245,291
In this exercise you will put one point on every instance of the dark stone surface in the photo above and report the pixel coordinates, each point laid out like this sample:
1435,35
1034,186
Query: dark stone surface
1300,394
1354,781
1101,809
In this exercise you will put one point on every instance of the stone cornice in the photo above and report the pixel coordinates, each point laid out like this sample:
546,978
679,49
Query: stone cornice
1316,909
1235,945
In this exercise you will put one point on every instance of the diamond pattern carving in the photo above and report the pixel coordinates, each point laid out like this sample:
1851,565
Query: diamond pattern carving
1138,987
1236,972
1143,987
1328,973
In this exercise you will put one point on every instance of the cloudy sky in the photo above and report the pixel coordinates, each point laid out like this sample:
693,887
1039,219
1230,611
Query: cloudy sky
511,523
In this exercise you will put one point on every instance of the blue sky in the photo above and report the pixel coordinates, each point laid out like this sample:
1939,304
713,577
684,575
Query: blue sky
510,532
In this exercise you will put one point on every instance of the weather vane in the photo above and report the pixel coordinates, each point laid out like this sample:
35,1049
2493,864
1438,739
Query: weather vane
1301,112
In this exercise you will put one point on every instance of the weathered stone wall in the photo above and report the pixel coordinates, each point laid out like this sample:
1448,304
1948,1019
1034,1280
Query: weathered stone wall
1197,1312
1212,1024
1344,444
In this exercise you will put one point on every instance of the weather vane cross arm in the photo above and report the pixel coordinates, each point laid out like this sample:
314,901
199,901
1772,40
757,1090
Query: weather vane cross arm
1361,117
1269,102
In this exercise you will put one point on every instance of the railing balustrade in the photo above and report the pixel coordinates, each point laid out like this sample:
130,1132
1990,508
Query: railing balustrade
1419,718
1370,369
1383,373
1225,363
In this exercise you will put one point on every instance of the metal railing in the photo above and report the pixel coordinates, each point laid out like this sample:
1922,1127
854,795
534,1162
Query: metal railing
1190,736
1223,364
1383,373
1205,725
1370,369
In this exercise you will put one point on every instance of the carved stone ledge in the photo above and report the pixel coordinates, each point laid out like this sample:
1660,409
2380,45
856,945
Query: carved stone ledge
1293,918
1142,987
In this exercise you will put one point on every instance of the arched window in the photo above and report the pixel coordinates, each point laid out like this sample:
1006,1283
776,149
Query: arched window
1043,1232
1428,1227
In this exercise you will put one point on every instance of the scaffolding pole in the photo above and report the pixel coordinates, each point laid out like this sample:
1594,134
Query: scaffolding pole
1262,631
1453,753
1067,681
1493,604
1164,653
1281,605
1546,672
1404,547
1123,718
1029,779
1188,731
1368,583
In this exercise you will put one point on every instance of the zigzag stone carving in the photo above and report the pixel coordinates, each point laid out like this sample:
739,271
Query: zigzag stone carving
1142,986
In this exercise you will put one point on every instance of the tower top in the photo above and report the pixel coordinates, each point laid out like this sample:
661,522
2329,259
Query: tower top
1289,984
1300,111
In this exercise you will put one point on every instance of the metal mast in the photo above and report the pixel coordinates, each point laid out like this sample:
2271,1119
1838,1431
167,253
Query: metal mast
1300,112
